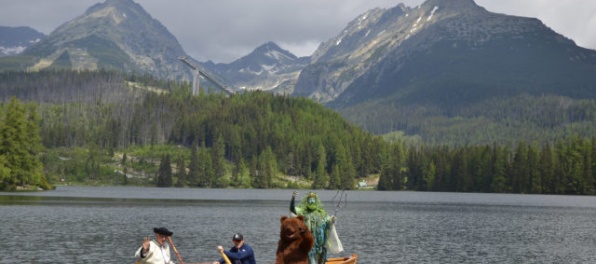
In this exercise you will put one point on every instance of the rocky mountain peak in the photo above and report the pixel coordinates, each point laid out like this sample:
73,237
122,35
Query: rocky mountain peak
381,52
460,5
268,58
121,5
272,50
268,67
115,34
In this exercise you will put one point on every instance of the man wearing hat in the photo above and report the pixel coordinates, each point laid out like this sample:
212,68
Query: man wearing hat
155,251
240,253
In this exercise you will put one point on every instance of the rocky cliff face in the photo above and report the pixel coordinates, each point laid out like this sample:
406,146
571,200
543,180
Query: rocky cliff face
443,50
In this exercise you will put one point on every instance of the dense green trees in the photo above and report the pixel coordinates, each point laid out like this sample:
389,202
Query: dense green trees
254,139
568,168
20,146
504,120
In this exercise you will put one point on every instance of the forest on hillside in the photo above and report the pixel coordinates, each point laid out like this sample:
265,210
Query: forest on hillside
111,128
502,120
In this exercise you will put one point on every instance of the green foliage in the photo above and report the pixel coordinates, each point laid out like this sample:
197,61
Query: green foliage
20,145
261,140
501,120
181,175
17,62
530,168
164,174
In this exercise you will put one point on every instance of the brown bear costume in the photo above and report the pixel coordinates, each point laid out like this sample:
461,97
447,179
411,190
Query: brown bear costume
295,241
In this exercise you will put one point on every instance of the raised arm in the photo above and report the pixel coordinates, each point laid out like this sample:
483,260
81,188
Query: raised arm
293,203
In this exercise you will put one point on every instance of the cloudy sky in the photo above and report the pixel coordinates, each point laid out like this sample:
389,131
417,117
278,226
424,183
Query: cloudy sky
225,30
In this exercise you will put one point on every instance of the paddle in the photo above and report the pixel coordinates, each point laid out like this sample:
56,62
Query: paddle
223,255
175,250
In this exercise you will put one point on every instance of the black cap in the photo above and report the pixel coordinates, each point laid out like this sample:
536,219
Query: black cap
237,236
162,231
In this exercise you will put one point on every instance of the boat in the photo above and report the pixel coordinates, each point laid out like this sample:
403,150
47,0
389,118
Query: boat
340,260
343,260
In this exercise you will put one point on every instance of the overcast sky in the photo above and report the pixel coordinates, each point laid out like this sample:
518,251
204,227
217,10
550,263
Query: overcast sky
225,30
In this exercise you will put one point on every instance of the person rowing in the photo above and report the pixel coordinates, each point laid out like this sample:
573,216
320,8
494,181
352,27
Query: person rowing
240,253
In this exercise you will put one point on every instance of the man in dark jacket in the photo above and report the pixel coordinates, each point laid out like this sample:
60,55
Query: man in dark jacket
240,253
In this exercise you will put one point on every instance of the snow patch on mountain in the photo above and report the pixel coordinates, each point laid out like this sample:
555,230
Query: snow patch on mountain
9,51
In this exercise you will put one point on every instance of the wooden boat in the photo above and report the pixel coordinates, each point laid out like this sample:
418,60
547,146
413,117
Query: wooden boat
344,260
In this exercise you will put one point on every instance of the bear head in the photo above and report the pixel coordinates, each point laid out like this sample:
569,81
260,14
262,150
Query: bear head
293,228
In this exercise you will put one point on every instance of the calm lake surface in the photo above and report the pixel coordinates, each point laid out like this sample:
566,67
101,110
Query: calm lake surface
107,224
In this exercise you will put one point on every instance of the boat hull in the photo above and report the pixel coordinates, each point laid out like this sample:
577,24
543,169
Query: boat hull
342,260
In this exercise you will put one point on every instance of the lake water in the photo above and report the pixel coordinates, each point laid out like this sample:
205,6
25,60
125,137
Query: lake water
107,224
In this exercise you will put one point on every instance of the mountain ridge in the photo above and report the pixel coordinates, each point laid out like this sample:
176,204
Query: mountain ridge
115,34
14,40
268,67
368,39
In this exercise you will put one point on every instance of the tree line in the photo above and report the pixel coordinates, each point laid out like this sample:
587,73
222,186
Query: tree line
565,167
503,120
249,140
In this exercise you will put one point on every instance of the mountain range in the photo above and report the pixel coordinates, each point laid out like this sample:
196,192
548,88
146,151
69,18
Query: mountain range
419,53
391,69
441,58
14,40
116,34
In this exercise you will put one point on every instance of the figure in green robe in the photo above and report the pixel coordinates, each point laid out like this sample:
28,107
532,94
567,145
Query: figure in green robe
320,224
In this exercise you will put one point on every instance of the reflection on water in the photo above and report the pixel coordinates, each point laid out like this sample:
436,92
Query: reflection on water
91,225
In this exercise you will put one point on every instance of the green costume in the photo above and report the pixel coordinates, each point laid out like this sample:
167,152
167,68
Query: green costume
319,223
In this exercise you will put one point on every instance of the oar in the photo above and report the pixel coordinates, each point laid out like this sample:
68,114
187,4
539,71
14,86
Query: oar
223,255
175,250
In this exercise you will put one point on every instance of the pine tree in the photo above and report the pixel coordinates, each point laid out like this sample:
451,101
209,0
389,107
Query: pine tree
593,164
399,166
387,172
205,168
267,168
547,170
34,147
335,178
346,169
320,177
218,160
193,167
12,145
20,144
520,169
535,178
164,176
587,166
241,175
428,177
499,181
181,180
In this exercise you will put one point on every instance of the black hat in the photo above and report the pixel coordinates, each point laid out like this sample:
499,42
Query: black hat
162,231
237,236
